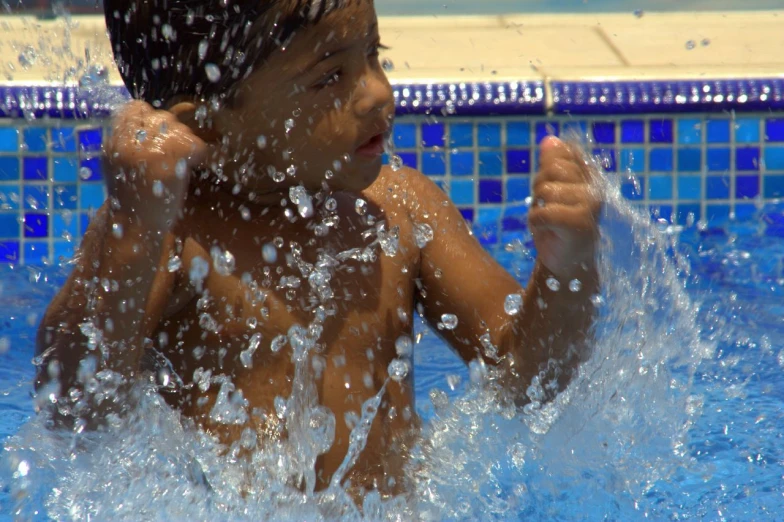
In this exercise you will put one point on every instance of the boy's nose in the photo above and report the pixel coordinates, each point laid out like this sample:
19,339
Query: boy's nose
374,94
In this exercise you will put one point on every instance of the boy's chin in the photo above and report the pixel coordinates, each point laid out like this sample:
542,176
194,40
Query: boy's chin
357,179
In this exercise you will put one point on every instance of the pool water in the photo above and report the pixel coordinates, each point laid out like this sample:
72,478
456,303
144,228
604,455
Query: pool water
679,413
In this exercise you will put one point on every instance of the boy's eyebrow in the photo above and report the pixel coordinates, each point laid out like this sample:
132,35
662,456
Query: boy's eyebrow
329,54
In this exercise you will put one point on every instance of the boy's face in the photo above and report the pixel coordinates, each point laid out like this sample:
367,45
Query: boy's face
321,105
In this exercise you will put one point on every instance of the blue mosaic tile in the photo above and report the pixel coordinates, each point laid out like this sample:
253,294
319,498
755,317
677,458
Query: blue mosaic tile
662,212
660,160
10,197
689,131
433,134
774,186
687,212
461,163
467,213
462,192
632,191
717,215
660,131
546,128
434,163
607,159
63,250
490,191
65,196
9,225
409,159
689,160
718,160
604,131
518,133
36,197
632,160
95,169
461,134
747,130
63,226
92,195
9,139
63,139
632,131
404,135
84,222
515,217
35,139
36,225
9,252
491,163
36,252
489,134
9,168
774,129
717,187
747,187
747,159
774,158
518,188
745,212
90,140
660,187
518,161
689,187
717,131
36,169
65,169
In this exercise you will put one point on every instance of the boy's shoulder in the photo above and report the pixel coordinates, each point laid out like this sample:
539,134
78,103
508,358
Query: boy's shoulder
405,187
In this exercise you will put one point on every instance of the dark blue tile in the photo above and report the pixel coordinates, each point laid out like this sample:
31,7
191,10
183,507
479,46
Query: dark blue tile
409,159
518,188
467,213
36,197
717,131
489,134
632,191
687,212
718,160
490,191
63,139
461,135
662,212
774,186
9,225
9,251
95,169
661,131
747,187
35,139
518,161
90,140
405,135
546,128
717,187
717,215
660,160
604,131
518,133
633,131
571,129
774,129
491,163
689,160
747,159
746,212
36,169
434,163
461,163
606,159
433,135
65,196
84,223
9,168
36,225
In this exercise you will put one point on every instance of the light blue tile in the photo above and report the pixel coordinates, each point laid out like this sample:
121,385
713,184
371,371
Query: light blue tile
9,139
92,195
64,224
660,187
10,197
633,159
36,197
66,169
518,133
491,163
689,187
689,131
461,134
462,192
774,158
489,134
747,130
63,250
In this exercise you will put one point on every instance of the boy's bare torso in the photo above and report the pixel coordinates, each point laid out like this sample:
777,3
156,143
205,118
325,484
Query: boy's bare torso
370,309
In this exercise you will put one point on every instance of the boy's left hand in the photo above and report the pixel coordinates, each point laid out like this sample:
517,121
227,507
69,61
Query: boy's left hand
565,209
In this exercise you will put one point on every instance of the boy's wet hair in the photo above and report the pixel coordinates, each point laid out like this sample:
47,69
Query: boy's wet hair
200,48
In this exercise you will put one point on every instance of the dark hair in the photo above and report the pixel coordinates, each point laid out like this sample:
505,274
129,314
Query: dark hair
200,48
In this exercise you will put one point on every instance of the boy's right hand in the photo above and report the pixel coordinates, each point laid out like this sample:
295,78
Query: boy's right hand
149,156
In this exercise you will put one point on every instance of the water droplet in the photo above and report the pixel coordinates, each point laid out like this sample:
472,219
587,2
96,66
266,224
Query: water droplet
398,369
448,322
360,206
269,253
517,453
245,213
639,13
289,125
213,72
261,141
85,173
175,263
141,135
705,42
5,345
157,188
246,356
423,234
387,65
553,284
167,31
204,45
300,197
453,381
222,260
117,230
181,168
690,44
513,304
597,300
278,343
331,204
575,285
395,162
404,346
28,57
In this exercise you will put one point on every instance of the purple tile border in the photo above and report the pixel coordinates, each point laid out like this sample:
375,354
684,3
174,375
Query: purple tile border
466,99
636,97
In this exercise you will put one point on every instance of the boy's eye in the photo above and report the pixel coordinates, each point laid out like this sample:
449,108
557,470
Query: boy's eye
329,80
376,47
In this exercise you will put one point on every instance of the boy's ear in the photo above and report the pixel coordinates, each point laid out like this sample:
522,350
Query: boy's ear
185,112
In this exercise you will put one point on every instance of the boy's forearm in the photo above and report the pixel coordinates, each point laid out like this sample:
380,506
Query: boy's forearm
551,333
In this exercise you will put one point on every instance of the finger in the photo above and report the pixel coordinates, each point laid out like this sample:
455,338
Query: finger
555,151
559,216
560,170
564,193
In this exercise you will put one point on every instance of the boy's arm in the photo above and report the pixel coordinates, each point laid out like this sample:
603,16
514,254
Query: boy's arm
459,277
119,289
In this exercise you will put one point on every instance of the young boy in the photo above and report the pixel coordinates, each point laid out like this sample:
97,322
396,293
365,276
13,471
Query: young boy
251,231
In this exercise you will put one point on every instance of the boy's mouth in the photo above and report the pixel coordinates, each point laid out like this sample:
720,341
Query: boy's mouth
372,148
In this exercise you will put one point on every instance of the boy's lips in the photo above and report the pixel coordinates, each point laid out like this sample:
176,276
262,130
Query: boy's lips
372,148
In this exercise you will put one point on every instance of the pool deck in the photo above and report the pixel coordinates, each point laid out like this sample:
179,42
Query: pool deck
527,47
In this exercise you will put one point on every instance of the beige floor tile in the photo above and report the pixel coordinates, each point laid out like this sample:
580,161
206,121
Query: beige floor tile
662,73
